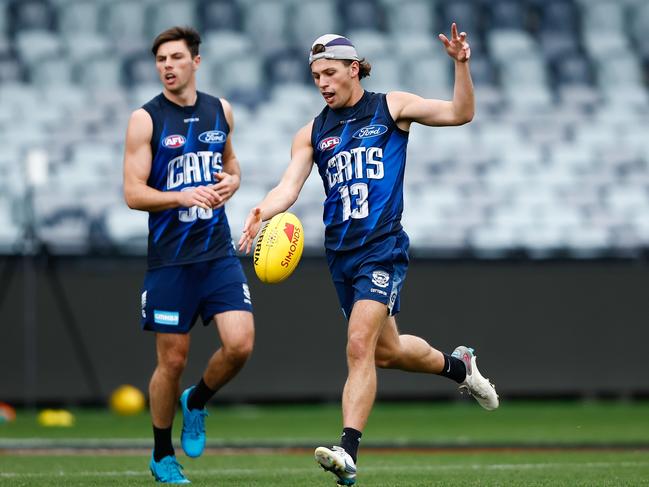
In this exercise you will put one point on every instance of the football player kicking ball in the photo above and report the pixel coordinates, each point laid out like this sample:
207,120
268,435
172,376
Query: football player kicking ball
358,143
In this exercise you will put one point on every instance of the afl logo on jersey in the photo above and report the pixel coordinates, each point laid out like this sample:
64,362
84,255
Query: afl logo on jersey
174,141
328,143
370,131
212,137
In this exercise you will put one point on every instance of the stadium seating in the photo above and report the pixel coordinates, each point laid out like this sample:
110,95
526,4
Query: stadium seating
555,164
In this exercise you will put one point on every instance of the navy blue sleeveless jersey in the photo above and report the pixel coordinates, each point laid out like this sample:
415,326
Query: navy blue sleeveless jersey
187,146
361,156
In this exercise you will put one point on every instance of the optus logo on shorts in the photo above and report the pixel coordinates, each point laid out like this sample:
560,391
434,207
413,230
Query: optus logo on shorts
370,131
174,141
328,143
170,318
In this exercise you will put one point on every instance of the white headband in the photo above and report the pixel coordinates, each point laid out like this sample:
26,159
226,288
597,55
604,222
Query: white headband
336,47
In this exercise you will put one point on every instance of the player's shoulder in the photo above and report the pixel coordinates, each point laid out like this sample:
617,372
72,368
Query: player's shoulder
305,131
141,116
396,101
216,102
150,112
154,104
399,97
227,107
210,99
322,115
220,104
318,122
140,127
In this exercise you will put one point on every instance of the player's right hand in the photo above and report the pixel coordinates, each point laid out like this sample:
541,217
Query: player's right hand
457,47
205,197
250,229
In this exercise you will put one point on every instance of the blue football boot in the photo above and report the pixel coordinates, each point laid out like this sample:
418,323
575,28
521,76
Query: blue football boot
192,438
168,470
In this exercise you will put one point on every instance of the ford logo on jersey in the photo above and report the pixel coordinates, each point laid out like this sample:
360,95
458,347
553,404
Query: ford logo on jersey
212,137
370,131
328,143
173,141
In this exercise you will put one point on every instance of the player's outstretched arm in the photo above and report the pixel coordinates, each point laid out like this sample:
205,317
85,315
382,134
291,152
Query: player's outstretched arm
137,167
229,179
282,196
406,108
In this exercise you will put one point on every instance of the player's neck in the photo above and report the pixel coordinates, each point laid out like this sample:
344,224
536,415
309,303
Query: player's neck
357,94
185,98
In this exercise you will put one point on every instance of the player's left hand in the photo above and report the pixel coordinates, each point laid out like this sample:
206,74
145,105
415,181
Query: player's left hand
458,48
250,230
226,186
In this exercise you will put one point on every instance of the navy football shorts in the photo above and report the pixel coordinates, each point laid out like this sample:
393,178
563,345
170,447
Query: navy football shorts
174,297
375,271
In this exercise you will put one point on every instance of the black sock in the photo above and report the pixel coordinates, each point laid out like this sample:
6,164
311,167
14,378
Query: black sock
199,396
454,369
350,440
162,443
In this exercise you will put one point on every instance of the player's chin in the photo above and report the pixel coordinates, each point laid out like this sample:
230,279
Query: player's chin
333,104
174,86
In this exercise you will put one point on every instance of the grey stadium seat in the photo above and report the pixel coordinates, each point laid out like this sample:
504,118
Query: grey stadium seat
79,16
163,15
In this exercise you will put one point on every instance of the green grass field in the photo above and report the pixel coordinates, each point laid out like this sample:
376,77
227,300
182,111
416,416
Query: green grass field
418,444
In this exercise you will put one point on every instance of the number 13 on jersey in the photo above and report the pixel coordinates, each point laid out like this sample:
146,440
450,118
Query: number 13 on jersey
354,198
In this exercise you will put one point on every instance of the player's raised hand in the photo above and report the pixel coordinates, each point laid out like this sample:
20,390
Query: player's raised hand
457,47
250,230
225,187
202,196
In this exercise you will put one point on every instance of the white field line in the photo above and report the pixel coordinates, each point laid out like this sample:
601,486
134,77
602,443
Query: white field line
300,471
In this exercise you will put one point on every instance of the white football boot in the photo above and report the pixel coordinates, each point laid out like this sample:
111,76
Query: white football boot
338,462
477,386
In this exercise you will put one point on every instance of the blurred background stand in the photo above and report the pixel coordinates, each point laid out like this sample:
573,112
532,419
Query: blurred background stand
31,253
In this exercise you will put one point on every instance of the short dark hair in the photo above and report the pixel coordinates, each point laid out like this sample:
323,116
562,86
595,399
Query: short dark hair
365,67
188,34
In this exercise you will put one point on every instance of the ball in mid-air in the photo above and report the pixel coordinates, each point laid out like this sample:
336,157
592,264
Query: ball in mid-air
127,400
279,248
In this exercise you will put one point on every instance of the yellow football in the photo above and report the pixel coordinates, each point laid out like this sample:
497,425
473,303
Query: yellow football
279,248
127,400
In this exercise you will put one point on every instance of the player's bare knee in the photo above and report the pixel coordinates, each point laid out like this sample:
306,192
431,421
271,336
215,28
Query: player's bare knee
359,348
238,352
174,363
